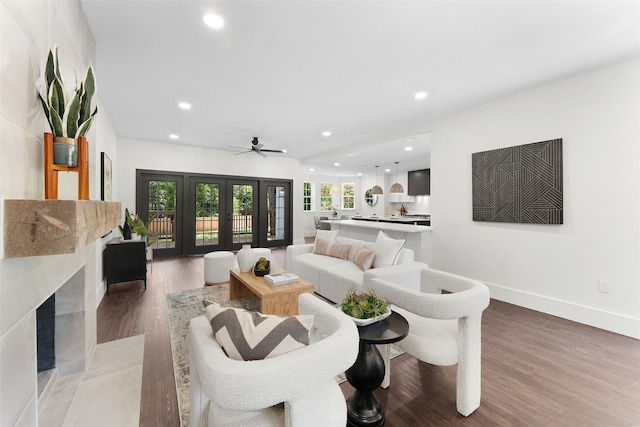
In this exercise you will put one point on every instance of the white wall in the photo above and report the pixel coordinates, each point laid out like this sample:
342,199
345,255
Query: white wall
135,154
552,268
106,141
28,29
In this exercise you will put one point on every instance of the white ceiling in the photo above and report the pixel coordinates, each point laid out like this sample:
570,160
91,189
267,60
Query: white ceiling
287,70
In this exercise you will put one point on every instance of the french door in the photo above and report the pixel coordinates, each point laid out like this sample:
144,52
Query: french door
160,196
197,213
276,200
220,214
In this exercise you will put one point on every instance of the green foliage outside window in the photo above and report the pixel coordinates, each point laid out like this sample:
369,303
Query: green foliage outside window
162,196
325,196
207,200
306,201
243,199
348,196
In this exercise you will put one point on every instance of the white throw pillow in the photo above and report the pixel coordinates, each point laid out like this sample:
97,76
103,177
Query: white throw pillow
328,235
387,250
246,335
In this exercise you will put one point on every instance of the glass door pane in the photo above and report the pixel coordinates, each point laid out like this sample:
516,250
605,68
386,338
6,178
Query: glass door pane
207,218
162,203
275,212
159,198
275,223
242,216
205,209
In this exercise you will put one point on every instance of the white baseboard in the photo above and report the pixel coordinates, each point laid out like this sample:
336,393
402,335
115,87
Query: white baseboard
612,322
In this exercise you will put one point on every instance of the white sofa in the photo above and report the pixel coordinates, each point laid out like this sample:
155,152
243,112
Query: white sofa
334,277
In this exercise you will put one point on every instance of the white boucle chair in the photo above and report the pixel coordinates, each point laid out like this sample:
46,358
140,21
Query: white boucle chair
444,328
227,392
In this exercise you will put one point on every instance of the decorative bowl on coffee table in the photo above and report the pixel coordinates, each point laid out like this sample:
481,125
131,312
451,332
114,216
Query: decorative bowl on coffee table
262,272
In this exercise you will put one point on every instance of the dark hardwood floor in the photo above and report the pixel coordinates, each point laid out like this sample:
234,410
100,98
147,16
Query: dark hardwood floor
537,369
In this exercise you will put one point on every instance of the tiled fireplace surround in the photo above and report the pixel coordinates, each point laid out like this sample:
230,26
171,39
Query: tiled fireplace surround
25,283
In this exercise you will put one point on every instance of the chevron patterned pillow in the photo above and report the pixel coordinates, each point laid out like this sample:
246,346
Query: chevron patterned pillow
246,335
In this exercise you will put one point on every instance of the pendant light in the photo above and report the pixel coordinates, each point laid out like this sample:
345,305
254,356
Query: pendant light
376,189
396,188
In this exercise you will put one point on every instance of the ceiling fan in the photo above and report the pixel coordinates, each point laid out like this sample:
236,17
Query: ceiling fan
256,147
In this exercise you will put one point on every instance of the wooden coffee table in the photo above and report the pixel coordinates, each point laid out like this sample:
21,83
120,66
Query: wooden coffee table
281,299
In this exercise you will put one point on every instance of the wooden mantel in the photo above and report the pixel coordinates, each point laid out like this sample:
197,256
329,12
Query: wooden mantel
51,227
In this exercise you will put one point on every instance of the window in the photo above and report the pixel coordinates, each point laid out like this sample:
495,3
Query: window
307,198
348,196
325,196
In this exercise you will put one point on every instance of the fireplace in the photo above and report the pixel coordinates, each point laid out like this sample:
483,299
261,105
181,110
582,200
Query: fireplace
65,284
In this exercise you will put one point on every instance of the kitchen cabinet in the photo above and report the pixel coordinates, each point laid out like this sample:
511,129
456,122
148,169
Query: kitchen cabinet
400,198
419,182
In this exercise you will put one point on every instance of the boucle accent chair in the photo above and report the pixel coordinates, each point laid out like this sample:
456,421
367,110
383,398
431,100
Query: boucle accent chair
444,328
227,392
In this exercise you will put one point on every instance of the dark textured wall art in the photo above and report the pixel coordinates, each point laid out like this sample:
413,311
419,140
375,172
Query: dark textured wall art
521,184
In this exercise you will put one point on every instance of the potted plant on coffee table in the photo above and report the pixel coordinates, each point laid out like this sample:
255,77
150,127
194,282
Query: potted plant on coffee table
68,111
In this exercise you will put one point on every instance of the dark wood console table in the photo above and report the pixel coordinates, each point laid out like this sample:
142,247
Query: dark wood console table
125,261
367,372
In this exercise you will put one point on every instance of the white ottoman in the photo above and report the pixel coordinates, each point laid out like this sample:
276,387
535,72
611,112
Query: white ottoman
262,252
216,267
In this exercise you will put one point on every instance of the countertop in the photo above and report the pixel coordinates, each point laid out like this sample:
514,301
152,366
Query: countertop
402,226
408,219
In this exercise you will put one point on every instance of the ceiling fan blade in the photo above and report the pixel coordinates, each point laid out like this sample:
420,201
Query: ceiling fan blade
273,151
261,153
242,152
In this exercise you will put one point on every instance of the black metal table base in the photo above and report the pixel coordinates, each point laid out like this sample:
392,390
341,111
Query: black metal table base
366,375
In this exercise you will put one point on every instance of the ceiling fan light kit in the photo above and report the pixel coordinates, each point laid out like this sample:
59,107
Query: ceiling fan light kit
376,189
396,187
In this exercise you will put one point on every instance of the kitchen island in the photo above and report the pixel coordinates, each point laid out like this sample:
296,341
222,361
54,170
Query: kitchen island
404,219
418,237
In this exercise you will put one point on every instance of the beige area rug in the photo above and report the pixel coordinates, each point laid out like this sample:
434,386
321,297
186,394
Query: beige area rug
182,307
185,305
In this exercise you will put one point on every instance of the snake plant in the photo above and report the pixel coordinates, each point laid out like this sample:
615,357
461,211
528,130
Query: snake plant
69,114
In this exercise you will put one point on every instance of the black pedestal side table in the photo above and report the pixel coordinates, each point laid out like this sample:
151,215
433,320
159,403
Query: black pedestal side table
367,373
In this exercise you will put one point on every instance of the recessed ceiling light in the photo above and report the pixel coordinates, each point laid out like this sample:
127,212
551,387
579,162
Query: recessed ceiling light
408,148
184,105
311,169
420,95
326,133
174,136
387,170
213,21
336,164
359,173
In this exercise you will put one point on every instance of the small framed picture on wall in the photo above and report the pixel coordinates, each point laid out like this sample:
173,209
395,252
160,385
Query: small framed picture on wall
107,178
